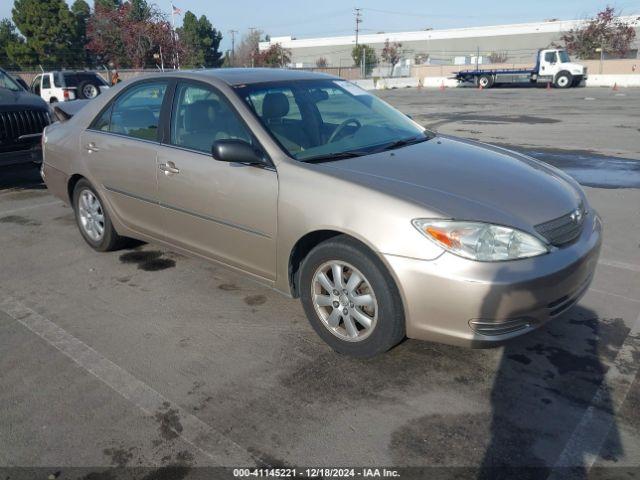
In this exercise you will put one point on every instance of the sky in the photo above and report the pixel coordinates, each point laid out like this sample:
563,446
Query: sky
335,17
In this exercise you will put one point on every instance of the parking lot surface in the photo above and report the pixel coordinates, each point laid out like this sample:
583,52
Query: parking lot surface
144,357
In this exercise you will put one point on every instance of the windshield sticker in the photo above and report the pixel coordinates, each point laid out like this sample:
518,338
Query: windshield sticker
352,88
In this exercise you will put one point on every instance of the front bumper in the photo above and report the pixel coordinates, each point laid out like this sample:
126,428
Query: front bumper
478,304
32,154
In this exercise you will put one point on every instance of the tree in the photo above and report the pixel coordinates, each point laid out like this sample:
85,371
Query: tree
81,11
49,28
200,42
9,39
247,51
275,56
606,31
321,62
498,57
120,37
369,54
391,53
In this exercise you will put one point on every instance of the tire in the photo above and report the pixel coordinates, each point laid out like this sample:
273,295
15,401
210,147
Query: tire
485,81
53,100
375,298
103,237
88,90
563,80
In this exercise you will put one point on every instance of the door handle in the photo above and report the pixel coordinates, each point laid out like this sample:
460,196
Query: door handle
91,147
169,168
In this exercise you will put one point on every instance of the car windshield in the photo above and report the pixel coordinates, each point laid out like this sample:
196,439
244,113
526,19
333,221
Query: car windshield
315,120
7,82
564,56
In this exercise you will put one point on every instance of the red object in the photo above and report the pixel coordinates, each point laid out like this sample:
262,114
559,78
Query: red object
615,87
548,85
480,87
442,87
65,94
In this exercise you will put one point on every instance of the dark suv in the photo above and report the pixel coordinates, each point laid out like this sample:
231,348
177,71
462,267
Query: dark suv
23,117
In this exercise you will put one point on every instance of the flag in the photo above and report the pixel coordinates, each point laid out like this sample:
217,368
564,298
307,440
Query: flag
176,10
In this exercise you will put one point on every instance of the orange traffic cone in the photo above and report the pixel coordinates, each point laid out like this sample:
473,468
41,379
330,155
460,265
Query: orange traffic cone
442,87
548,85
480,87
615,87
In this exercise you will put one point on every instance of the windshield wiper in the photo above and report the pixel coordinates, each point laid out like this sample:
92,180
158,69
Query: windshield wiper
334,156
404,142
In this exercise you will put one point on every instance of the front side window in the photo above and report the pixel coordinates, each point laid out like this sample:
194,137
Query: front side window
135,113
200,117
550,57
314,119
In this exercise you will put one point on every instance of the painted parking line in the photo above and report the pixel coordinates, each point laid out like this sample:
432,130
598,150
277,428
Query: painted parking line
616,264
583,447
219,448
30,207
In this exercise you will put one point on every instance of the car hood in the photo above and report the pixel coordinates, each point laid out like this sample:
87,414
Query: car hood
10,100
466,180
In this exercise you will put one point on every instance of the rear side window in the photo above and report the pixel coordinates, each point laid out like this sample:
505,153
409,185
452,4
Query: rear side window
46,81
75,79
135,113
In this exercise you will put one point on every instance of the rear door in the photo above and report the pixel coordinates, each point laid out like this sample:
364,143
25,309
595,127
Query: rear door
225,211
121,147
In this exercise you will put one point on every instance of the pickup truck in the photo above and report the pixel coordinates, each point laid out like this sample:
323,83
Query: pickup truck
553,66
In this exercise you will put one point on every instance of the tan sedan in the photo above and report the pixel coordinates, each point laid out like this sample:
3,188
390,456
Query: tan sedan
324,192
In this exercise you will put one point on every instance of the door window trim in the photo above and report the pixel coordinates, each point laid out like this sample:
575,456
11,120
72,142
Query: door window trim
109,106
166,142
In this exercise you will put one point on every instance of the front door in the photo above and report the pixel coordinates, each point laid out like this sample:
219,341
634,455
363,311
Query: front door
121,147
224,211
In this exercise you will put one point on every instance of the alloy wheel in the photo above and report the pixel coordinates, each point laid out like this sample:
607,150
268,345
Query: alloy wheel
91,215
344,300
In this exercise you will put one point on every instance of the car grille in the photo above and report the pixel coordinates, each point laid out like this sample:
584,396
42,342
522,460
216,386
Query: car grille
564,229
14,124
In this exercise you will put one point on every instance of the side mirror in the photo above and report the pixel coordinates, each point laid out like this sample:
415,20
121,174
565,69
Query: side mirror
236,151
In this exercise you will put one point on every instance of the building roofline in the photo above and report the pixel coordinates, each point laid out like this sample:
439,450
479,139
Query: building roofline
424,35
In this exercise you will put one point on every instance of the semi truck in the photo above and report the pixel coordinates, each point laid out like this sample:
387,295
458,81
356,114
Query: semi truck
553,66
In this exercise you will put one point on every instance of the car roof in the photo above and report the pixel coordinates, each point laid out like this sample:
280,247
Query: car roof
246,76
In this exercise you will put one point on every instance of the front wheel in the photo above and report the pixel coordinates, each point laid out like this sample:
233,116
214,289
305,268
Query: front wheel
350,299
563,80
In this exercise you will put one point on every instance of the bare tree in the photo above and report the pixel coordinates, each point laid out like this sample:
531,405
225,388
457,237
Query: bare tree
247,51
322,62
391,53
498,57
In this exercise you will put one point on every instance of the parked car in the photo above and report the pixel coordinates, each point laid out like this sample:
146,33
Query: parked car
23,116
63,86
324,192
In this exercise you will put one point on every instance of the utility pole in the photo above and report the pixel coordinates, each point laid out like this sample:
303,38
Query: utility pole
358,14
233,47
251,32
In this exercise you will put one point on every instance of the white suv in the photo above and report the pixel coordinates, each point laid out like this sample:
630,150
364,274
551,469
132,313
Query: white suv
64,86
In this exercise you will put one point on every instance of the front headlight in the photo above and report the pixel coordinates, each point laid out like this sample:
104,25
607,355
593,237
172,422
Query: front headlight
480,241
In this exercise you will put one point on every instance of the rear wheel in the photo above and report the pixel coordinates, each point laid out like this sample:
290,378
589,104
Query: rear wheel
350,300
563,80
485,81
93,220
88,90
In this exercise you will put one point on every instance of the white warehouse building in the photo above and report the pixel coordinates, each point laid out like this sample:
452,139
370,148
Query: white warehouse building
517,42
